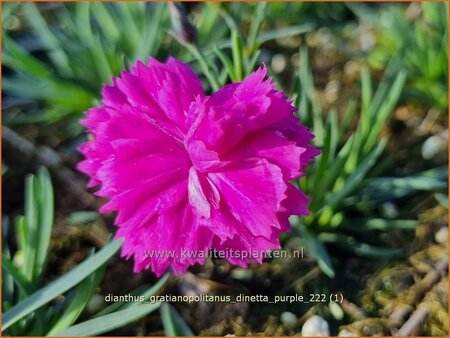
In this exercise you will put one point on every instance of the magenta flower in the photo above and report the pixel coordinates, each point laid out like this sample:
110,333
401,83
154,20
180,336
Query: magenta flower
190,172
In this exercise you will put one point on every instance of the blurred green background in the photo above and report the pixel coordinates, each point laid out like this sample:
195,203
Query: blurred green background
370,80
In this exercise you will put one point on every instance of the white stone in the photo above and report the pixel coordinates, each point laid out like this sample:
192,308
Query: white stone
441,236
345,333
315,326
288,318
434,145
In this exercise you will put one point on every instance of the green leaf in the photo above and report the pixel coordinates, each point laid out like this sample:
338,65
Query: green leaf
44,231
226,63
389,188
361,249
238,54
21,233
56,53
61,285
442,199
138,292
356,177
349,114
251,64
18,277
256,24
7,279
64,95
80,217
285,32
315,248
109,322
389,103
153,33
173,324
382,224
130,25
81,299
204,64
17,58
366,97
324,185
106,21
31,219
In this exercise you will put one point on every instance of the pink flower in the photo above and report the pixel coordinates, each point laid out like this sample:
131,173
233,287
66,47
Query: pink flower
191,172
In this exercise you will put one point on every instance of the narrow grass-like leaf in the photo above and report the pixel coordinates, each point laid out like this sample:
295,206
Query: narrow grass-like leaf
389,188
21,233
209,74
61,285
101,60
18,277
17,58
285,32
139,292
251,64
7,279
315,248
267,36
349,114
82,18
442,199
366,97
173,324
305,73
362,249
81,299
129,24
80,217
237,52
57,54
256,24
388,104
152,31
226,63
356,176
381,224
31,221
109,322
106,21
46,210
366,89
320,189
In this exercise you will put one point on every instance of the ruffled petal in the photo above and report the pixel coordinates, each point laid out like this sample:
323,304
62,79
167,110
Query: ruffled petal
273,146
222,121
156,247
187,173
253,192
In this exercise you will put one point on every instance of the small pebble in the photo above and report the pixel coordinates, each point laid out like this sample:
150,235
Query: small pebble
352,70
96,303
441,236
288,318
336,311
389,210
332,91
345,333
295,60
279,63
242,274
315,326
433,146
19,259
